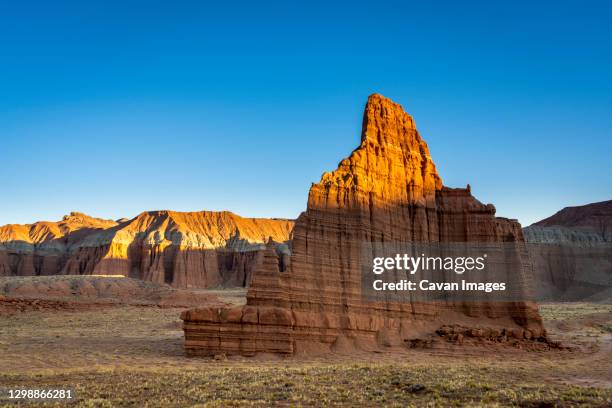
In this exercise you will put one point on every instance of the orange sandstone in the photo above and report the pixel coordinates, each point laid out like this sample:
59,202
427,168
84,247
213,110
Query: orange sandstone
184,249
387,190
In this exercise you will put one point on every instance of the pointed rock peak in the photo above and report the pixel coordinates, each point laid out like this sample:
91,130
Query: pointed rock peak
392,163
380,100
385,121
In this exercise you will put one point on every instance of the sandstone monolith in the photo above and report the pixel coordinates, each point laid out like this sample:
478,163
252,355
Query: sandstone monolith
386,190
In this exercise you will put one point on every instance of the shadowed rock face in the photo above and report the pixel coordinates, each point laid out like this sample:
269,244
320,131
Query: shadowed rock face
583,225
195,249
387,190
571,252
596,217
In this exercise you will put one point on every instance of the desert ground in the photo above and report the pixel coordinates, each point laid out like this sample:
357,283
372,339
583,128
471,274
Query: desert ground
130,353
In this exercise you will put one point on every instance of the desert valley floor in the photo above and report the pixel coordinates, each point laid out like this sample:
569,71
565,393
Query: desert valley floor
114,354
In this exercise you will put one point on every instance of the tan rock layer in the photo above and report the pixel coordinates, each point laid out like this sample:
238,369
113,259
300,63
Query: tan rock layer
387,190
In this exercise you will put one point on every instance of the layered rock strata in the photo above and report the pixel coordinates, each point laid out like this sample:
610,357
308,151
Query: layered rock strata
192,249
387,190
571,252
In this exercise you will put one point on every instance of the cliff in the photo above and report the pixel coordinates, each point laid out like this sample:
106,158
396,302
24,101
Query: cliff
571,252
387,190
184,249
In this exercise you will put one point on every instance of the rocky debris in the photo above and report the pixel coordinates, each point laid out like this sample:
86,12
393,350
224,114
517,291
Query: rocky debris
482,336
184,249
387,190
517,337
452,332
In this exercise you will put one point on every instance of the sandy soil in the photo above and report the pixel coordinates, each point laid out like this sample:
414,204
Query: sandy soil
122,355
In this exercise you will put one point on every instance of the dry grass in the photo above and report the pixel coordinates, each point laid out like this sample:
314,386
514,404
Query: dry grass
132,356
316,384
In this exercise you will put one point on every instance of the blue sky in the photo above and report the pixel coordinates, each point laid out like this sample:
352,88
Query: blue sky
113,108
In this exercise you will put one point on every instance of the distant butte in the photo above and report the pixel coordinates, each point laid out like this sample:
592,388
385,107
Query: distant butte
184,249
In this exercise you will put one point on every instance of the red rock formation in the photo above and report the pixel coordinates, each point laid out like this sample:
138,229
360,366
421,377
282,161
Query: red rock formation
387,190
42,248
195,249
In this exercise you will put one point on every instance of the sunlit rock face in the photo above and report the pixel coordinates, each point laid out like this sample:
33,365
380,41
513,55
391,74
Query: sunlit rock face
386,190
184,249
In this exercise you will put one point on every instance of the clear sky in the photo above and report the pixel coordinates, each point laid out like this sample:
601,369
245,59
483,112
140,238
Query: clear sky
113,108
